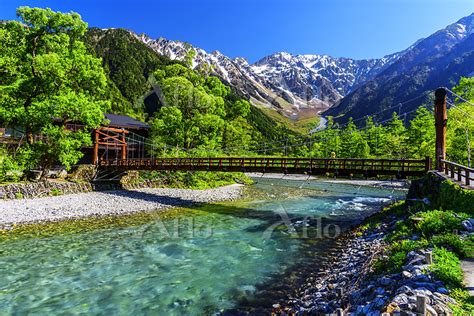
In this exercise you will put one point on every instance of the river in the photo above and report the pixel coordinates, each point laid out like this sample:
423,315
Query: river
202,260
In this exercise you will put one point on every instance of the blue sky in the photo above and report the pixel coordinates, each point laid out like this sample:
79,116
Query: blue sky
255,28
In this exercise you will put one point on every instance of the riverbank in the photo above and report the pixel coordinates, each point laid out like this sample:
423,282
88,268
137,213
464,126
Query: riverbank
118,202
403,260
353,282
387,184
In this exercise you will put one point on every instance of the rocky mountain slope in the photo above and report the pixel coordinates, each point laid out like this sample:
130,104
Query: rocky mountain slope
301,86
439,60
294,85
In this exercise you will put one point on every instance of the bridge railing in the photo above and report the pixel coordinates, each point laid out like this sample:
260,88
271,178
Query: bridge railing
456,171
342,166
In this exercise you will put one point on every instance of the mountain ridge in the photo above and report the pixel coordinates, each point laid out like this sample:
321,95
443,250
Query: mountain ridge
305,85
438,60
289,88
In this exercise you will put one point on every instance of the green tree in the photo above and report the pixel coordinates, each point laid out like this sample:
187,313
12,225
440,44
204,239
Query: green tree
395,138
374,135
353,144
421,135
47,75
200,110
460,130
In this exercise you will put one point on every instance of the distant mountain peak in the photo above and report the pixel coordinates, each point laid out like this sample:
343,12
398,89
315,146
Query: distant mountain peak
291,83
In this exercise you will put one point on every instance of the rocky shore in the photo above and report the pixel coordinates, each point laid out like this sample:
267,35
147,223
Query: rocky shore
347,286
117,202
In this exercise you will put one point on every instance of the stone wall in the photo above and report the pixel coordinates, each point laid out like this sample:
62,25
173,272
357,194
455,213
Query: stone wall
51,188
41,189
442,193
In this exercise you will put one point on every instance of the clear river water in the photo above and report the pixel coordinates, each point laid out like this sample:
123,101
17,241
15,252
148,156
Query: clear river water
203,260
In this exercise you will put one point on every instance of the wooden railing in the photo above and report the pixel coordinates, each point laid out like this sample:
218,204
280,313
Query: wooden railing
339,166
456,171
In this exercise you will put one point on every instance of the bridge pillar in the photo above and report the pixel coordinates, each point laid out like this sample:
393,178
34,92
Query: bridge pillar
441,118
95,154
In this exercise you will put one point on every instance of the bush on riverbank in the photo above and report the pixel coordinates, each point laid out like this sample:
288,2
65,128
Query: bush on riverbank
443,194
194,180
432,229
435,226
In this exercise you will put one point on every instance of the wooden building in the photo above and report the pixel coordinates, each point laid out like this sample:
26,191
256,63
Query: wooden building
121,138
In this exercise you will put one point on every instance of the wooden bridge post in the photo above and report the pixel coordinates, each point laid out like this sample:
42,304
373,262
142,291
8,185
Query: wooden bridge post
95,154
441,118
124,146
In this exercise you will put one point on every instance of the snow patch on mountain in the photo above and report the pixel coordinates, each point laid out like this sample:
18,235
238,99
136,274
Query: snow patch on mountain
285,82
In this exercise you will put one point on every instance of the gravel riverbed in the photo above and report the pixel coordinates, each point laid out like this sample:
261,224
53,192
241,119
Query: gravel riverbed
107,203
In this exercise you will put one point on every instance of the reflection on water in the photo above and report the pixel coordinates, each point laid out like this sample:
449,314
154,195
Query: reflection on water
202,261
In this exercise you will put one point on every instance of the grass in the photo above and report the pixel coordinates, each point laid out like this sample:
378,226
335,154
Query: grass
302,126
434,228
438,221
447,268
465,302
374,221
198,180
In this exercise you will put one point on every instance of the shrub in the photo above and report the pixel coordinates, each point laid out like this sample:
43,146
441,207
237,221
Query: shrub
194,180
436,222
402,230
447,267
398,255
451,242
454,197
465,302
10,169
55,192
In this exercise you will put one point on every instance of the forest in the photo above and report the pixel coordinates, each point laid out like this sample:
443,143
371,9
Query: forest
55,70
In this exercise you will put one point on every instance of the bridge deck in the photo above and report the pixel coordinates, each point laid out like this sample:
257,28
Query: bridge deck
315,166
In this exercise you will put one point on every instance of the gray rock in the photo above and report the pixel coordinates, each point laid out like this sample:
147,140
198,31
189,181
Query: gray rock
407,274
385,281
405,290
431,310
421,278
379,291
468,225
401,299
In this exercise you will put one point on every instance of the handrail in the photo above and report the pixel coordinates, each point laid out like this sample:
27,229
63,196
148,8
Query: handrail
338,166
451,169
457,165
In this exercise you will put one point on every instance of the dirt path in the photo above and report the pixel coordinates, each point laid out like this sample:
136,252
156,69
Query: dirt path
467,266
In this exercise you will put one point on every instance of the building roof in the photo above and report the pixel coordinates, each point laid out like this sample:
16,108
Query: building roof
125,121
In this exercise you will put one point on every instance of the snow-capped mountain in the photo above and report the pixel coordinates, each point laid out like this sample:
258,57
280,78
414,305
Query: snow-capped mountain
283,81
319,77
293,84
438,60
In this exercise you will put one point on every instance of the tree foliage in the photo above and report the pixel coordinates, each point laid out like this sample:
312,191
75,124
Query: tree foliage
199,112
48,76
128,64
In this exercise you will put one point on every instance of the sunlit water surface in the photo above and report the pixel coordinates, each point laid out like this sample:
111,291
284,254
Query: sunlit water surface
166,267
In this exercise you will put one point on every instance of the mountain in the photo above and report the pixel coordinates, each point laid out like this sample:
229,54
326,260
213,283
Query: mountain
128,63
303,86
294,85
439,60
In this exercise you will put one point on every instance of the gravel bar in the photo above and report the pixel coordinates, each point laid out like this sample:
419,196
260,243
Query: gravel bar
118,202
389,184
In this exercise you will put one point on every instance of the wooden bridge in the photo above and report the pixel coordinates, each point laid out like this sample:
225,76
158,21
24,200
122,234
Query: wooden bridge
127,150
400,168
